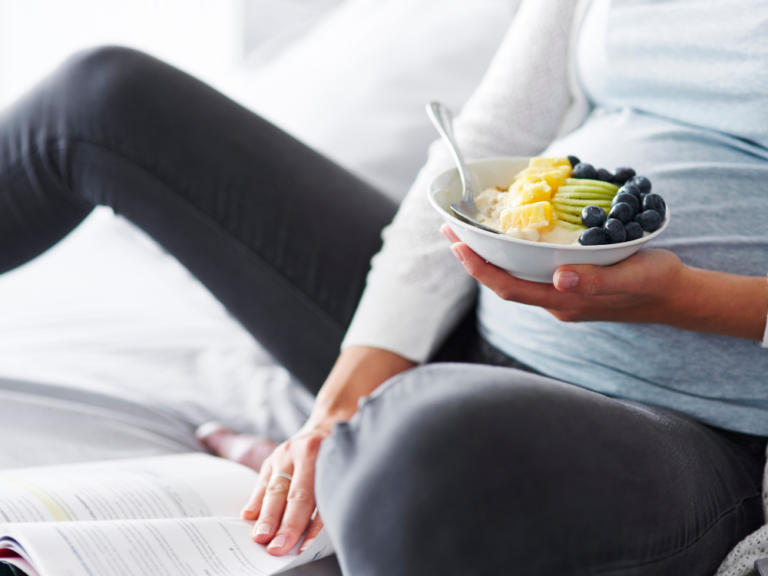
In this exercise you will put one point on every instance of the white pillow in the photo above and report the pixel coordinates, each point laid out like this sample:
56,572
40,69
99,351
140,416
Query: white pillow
355,86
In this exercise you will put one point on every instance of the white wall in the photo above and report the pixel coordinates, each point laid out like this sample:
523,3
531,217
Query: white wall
203,37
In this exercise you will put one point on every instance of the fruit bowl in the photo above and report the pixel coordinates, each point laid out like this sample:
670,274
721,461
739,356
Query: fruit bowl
533,261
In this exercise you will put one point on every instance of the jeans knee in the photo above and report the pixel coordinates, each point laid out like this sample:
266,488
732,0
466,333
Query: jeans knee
98,86
101,57
438,447
463,465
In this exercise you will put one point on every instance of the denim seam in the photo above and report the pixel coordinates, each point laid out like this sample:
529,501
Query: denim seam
720,518
228,236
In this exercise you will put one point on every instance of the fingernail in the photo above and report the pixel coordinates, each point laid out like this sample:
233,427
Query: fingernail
247,512
307,544
263,529
457,253
566,280
277,542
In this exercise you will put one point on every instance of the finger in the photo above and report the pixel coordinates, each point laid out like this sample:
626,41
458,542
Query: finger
272,506
507,286
314,530
625,277
253,506
298,510
449,234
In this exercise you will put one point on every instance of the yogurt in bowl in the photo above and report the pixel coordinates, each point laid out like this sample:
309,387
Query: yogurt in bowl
537,256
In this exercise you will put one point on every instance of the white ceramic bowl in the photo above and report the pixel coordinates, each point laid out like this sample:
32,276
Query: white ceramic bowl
534,261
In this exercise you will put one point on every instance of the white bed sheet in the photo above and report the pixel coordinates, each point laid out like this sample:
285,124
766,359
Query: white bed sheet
107,310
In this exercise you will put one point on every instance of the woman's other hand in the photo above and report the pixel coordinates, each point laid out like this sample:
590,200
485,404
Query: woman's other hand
275,499
282,508
652,286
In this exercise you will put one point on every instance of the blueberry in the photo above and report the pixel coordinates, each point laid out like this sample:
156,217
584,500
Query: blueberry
593,216
634,231
649,220
621,176
627,199
655,202
593,237
573,160
584,171
614,231
604,175
634,190
641,182
622,212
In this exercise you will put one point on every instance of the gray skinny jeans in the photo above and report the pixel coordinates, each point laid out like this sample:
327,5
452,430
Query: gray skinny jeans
449,469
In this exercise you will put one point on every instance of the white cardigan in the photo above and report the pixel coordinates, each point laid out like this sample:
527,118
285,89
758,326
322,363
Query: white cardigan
416,291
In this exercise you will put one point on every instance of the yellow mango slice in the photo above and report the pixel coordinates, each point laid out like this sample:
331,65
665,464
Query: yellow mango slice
533,172
554,179
539,171
532,192
517,186
545,162
527,216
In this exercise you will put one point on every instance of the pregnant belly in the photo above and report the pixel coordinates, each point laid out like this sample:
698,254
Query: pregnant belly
715,186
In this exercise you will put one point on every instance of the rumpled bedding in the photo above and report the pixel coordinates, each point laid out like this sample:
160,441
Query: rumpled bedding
45,425
108,311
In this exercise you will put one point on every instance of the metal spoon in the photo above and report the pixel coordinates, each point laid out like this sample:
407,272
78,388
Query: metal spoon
465,209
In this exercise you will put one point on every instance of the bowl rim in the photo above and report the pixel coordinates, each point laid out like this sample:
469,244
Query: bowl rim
502,236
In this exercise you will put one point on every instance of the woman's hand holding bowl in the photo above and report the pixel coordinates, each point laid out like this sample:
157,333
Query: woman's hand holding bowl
652,287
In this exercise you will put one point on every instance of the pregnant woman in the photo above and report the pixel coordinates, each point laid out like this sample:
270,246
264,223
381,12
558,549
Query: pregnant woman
612,423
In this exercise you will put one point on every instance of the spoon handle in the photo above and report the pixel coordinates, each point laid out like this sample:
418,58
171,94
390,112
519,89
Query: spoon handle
443,120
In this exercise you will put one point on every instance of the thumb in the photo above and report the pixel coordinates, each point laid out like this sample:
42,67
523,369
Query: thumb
592,280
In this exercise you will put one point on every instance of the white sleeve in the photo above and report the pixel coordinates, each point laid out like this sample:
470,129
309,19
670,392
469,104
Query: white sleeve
416,291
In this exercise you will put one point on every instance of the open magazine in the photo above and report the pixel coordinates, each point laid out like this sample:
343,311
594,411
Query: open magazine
175,515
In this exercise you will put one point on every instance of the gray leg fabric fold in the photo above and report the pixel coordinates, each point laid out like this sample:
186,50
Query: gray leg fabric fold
465,469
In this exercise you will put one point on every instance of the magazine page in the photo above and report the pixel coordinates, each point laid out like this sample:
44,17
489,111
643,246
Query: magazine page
177,486
18,562
179,547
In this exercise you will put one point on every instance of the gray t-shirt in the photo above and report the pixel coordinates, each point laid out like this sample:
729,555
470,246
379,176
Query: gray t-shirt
681,94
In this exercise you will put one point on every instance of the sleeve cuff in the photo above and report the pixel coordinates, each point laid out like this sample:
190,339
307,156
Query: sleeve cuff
404,320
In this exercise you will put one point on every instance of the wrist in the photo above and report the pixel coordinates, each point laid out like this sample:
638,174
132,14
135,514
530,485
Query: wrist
681,306
720,303
358,371
323,418
318,425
